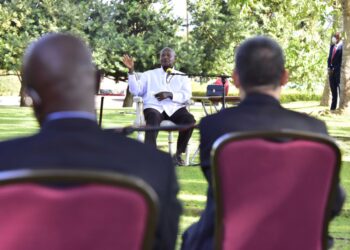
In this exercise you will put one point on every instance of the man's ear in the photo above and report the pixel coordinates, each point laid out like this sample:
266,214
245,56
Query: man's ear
284,78
236,80
37,104
34,96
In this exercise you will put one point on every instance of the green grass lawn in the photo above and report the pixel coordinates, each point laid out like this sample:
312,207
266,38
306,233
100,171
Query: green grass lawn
16,121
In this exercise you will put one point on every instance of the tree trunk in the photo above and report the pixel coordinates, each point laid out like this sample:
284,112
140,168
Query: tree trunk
345,70
128,99
25,100
325,94
22,102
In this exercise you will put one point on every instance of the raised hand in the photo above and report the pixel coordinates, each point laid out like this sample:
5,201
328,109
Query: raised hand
128,62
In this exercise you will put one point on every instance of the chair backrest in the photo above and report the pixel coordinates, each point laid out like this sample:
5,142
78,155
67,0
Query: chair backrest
140,118
273,190
59,209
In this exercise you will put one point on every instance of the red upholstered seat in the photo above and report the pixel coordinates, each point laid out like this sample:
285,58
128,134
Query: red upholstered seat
93,216
273,195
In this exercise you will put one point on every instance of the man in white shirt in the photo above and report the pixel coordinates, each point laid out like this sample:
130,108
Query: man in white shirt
164,96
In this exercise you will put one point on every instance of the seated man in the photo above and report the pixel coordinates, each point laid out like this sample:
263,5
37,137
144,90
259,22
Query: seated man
259,75
59,76
164,98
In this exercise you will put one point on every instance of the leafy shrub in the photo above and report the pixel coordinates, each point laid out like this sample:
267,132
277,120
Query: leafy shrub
9,85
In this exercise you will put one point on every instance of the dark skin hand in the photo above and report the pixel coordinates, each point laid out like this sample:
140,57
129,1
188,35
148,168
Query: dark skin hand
163,95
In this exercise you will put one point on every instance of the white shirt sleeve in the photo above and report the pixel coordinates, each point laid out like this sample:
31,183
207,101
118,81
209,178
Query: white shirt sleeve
137,87
185,93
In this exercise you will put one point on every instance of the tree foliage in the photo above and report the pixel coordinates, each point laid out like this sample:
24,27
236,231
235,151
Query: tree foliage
23,21
133,27
142,28
300,26
344,103
111,28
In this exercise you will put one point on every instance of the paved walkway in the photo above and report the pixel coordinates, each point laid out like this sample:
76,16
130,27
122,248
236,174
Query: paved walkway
9,100
109,101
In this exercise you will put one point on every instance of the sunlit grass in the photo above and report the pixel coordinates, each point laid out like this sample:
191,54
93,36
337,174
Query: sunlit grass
16,122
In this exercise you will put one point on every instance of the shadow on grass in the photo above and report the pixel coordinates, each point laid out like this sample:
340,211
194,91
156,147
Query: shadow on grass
193,212
306,107
342,138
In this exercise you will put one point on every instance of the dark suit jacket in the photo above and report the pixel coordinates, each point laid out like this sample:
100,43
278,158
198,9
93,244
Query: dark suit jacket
335,64
256,112
80,144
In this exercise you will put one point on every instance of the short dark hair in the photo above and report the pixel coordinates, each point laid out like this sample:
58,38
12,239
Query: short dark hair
259,62
167,48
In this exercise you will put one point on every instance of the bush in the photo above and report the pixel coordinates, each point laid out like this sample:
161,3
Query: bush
298,97
288,95
9,85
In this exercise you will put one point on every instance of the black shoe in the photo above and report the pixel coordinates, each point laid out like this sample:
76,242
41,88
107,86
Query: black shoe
330,242
177,160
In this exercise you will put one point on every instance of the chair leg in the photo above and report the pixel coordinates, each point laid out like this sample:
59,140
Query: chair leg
141,136
170,142
187,155
194,156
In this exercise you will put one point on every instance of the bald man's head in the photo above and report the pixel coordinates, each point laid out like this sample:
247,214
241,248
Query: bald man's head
59,73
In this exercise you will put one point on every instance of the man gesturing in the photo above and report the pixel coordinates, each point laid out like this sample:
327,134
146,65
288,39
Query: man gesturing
164,96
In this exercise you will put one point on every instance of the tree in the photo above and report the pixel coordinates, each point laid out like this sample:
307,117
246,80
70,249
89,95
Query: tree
298,25
334,13
345,72
133,27
111,28
24,21
143,28
216,31
325,94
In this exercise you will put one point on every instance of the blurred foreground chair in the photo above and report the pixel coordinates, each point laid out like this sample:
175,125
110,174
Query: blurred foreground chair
273,190
64,209
140,121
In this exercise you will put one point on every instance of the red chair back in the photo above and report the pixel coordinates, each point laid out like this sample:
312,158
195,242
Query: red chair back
273,195
90,216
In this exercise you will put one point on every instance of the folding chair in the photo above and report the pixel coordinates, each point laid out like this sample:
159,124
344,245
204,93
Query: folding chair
67,209
273,190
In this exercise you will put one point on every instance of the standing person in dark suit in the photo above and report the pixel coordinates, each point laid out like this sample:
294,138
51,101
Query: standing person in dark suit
334,67
259,75
60,78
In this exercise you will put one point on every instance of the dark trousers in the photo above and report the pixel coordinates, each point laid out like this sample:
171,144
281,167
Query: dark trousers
181,117
334,82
